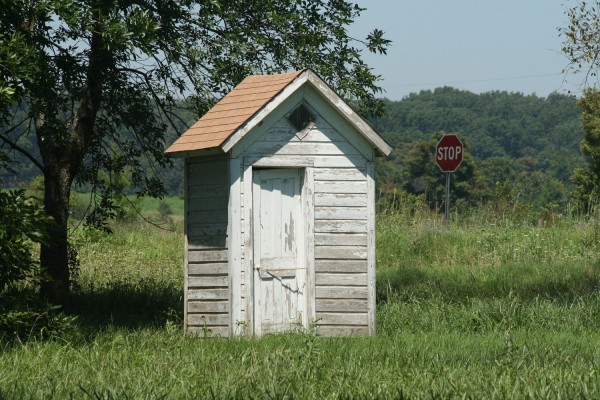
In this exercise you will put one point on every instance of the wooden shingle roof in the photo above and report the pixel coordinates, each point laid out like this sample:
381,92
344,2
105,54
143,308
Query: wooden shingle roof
231,112
244,107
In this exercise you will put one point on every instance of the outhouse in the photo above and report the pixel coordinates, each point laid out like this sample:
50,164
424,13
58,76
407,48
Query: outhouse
280,211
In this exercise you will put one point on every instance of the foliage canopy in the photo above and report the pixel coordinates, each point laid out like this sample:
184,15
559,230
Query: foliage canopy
100,82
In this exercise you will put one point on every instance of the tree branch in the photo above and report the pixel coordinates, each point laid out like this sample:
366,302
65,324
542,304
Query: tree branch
18,148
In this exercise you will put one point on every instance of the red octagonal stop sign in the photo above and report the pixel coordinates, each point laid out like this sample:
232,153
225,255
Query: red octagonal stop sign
449,153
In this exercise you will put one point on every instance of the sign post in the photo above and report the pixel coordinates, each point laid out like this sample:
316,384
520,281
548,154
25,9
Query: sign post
448,156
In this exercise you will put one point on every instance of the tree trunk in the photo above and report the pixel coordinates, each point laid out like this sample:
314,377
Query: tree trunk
54,255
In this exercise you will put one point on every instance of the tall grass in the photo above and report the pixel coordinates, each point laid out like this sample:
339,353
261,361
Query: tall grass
477,310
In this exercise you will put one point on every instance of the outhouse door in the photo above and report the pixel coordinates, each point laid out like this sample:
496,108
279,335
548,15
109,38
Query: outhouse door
279,260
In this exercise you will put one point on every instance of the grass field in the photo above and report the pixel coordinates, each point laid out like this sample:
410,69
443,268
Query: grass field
485,309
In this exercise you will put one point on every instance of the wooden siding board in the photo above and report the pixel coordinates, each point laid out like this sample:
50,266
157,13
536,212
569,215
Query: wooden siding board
340,239
340,226
208,281
340,199
208,319
301,148
347,213
341,292
208,217
342,305
208,172
340,174
341,318
341,279
341,252
208,294
208,269
210,307
341,187
203,191
195,256
347,266
207,242
317,134
203,230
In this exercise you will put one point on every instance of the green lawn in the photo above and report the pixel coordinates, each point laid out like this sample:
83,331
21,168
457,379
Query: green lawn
481,310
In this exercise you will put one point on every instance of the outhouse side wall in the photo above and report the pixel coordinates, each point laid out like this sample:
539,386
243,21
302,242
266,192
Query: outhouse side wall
206,301
339,163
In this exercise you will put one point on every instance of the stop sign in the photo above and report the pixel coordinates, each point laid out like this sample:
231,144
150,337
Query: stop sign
449,153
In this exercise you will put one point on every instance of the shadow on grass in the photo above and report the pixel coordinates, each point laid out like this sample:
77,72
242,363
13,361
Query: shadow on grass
125,304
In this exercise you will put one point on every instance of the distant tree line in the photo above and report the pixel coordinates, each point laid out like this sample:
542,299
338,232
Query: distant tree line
521,150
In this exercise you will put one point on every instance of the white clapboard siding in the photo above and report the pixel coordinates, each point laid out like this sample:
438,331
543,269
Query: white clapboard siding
208,217
208,294
341,252
342,305
341,226
207,172
300,148
207,242
348,266
341,213
201,281
341,279
200,230
341,239
341,292
345,161
218,203
208,319
208,268
214,307
203,191
331,318
283,131
341,187
340,174
340,199
195,256
206,220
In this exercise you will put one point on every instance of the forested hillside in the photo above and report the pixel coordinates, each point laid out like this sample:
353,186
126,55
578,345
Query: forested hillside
524,144
521,147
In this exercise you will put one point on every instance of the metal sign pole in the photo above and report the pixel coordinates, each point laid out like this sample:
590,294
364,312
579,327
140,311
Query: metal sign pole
447,208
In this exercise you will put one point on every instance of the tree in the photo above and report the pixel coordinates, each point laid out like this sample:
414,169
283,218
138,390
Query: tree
587,179
23,313
423,176
99,82
581,48
581,37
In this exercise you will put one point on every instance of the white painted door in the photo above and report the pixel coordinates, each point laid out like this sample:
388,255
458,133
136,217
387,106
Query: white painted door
279,259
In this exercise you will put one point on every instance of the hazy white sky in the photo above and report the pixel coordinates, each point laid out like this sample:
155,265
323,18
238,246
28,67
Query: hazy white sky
475,45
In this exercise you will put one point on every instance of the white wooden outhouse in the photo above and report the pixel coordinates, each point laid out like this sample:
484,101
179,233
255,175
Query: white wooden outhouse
280,211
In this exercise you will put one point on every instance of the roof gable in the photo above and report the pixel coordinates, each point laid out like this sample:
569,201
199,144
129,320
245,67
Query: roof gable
245,106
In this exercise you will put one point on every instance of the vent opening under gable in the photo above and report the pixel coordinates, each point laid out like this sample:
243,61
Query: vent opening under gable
301,118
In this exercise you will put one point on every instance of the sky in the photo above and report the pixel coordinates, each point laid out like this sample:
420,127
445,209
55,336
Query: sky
474,45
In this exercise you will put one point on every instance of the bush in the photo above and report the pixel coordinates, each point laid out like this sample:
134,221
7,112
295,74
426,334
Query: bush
23,313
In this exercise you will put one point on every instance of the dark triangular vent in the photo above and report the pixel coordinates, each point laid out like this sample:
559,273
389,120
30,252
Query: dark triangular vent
301,118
